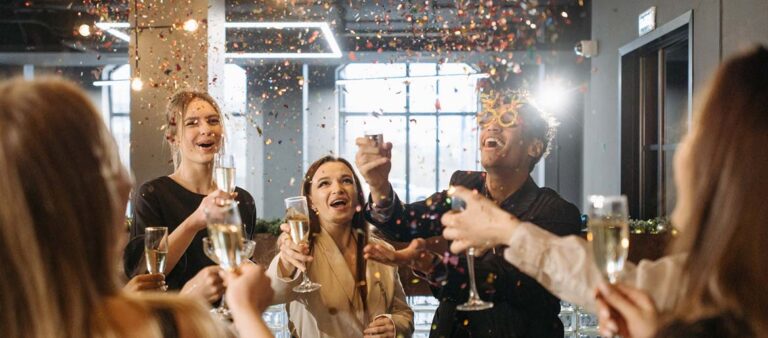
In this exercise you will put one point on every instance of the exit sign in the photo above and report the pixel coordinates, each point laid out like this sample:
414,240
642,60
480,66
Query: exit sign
646,22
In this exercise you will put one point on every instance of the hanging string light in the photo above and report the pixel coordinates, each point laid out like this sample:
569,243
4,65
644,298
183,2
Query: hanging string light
190,25
84,30
136,83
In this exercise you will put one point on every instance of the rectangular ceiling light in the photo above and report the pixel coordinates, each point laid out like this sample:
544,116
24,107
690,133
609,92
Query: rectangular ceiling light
110,27
473,76
323,26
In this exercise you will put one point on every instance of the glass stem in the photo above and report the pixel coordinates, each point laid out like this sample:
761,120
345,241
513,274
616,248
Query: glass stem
471,267
304,278
223,306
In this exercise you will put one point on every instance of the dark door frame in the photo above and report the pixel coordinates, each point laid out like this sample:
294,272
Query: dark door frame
629,104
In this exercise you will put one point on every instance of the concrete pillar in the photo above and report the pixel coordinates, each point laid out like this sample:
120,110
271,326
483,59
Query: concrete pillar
167,59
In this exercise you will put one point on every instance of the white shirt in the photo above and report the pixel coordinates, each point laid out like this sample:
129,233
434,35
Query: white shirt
564,266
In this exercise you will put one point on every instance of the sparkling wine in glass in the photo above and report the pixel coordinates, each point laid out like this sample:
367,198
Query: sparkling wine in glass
609,234
225,244
225,229
297,215
248,247
156,249
224,171
474,303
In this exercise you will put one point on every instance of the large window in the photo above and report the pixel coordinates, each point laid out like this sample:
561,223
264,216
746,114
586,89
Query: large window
116,105
427,111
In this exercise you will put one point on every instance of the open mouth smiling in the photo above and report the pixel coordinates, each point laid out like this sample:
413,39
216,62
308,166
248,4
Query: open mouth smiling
493,142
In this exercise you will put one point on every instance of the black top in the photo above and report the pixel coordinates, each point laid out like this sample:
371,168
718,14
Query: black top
725,325
522,307
163,202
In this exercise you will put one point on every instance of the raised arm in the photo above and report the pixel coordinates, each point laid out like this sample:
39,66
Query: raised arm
563,265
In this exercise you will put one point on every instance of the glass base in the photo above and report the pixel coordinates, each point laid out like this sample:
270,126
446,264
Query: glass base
306,287
475,305
222,314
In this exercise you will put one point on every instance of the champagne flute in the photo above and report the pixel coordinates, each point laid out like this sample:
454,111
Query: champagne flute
224,170
474,303
226,243
156,250
609,234
248,248
297,215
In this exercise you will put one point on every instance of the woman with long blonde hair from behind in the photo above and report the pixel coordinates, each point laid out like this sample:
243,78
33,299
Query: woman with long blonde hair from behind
61,233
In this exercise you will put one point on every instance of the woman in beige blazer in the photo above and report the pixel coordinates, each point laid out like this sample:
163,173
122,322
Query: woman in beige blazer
358,298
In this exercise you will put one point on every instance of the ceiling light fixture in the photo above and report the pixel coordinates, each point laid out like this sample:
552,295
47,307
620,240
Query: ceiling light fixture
111,28
191,25
137,84
84,30
323,26
411,79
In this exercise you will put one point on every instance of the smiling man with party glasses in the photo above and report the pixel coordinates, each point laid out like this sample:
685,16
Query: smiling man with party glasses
514,136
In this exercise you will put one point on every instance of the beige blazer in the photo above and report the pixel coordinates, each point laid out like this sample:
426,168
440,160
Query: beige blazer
336,310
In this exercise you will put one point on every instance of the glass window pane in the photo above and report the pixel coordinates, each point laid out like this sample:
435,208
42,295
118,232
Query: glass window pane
394,131
455,69
373,96
422,153
234,89
422,69
670,193
458,146
121,131
238,141
458,94
423,95
372,70
120,92
675,93
120,96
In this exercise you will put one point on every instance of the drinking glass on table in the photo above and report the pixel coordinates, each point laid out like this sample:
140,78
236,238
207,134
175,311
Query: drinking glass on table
608,225
156,250
297,215
225,243
474,303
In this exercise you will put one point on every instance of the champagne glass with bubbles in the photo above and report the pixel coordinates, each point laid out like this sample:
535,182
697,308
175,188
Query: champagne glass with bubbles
156,249
609,234
224,169
297,215
248,248
474,303
226,248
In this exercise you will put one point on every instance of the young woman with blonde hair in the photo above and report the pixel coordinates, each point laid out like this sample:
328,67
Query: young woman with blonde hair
194,130
61,230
